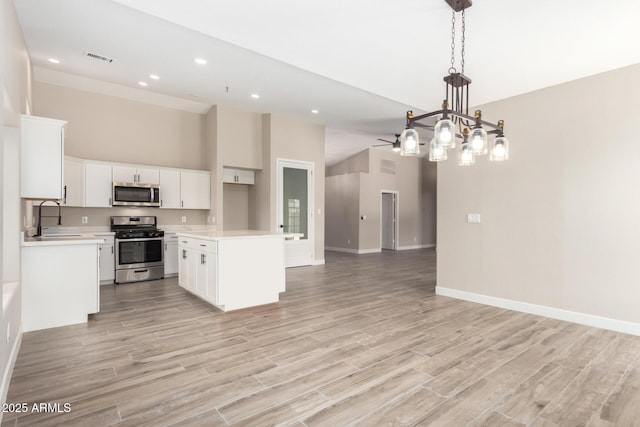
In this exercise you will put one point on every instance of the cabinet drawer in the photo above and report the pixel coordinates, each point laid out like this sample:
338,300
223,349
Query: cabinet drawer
198,244
187,242
206,246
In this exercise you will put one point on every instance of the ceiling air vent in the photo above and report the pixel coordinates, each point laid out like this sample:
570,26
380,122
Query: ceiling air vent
387,167
99,57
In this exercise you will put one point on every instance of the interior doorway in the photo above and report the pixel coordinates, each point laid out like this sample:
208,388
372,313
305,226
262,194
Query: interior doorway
389,220
295,210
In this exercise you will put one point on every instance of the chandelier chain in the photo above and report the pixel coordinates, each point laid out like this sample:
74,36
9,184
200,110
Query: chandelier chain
452,69
462,43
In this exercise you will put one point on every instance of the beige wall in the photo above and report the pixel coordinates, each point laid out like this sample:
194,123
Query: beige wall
291,139
428,193
560,218
232,138
239,138
212,164
15,76
342,214
414,181
359,162
114,129
261,216
236,206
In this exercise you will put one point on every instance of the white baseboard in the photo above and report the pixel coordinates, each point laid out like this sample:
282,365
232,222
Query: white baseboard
8,371
541,310
352,251
317,262
405,248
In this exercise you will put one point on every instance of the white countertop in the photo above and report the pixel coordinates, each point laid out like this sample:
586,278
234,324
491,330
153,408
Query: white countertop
234,234
62,240
84,230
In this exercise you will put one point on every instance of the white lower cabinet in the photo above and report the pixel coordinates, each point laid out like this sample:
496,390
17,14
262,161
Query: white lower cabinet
107,261
198,267
170,254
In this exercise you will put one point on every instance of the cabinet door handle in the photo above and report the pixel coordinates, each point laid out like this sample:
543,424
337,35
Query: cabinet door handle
182,203
204,258
65,195
165,246
160,202
111,249
109,201
184,254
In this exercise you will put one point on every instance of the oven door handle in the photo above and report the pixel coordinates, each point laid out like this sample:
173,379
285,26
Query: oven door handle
141,239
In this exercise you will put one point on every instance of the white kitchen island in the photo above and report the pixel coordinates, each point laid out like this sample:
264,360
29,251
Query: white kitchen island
232,269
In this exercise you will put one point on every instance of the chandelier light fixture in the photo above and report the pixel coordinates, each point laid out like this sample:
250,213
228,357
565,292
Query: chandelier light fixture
454,121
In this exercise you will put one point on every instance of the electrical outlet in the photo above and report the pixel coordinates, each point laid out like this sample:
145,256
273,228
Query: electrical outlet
213,220
184,219
85,219
208,219
348,242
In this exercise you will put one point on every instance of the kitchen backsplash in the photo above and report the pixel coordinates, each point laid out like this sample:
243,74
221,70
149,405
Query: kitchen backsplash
72,217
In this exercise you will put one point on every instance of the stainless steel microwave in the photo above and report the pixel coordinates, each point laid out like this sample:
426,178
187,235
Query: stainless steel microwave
136,194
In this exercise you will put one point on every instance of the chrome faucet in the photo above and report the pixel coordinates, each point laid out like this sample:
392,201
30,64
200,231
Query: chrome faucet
39,229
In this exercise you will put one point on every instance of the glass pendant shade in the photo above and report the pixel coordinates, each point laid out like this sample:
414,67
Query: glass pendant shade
478,141
444,133
409,142
436,153
499,149
396,146
465,155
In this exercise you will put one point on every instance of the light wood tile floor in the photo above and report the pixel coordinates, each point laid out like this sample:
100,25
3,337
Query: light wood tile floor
362,340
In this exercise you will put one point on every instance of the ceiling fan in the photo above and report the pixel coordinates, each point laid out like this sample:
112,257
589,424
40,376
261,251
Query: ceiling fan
395,144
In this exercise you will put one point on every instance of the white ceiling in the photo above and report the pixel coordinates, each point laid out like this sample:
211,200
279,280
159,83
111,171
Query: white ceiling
361,63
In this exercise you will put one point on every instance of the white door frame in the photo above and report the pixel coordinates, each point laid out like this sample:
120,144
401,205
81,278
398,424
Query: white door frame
396,215
298,164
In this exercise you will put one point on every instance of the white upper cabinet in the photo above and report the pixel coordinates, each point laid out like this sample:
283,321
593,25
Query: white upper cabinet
98,185
42,164
73,192
238,176
170,189
195,190
131,174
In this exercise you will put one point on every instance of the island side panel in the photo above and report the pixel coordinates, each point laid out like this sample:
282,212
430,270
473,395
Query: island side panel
250,271
58,285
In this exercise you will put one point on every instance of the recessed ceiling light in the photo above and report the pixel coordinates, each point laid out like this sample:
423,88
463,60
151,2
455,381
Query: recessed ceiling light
54,60
255,95
201,61
315,111
143,83
154,77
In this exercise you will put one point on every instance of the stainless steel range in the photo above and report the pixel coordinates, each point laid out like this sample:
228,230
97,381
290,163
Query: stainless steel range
139,248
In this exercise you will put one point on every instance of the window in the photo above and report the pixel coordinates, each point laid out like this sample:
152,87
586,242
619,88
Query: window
293,215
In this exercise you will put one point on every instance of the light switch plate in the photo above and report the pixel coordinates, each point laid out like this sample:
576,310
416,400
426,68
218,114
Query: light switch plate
184,219
85,219
473,218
